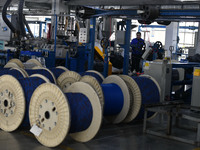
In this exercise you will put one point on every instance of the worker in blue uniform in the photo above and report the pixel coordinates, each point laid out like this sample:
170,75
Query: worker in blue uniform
138,47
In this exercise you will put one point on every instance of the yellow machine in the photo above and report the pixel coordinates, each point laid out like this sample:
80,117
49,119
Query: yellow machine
100,53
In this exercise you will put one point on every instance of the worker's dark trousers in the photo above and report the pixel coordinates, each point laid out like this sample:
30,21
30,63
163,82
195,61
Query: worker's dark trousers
136,63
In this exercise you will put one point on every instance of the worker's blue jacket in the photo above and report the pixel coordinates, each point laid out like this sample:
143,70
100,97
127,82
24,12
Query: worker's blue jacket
137,45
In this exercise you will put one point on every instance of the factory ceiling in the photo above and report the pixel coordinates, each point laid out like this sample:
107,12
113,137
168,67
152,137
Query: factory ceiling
113,2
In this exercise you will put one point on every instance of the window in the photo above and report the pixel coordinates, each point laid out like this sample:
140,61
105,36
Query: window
187,32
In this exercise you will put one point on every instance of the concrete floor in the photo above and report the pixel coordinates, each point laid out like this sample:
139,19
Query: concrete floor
110,137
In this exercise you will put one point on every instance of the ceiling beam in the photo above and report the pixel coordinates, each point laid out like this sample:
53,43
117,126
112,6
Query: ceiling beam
127,2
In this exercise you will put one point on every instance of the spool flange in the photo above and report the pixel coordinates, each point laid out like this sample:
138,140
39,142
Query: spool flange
49,110
67,78
12,103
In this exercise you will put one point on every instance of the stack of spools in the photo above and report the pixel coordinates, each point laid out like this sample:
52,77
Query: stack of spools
16,88
78,106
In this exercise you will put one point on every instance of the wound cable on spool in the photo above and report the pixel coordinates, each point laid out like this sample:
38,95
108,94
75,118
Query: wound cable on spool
43,71
96,75
149,92
154,80
114,99
29,85
57,71
42,77
81,112
96,86
14,72
113,79
85,114
88,91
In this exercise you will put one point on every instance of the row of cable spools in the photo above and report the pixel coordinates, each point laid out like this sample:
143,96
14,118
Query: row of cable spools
61,102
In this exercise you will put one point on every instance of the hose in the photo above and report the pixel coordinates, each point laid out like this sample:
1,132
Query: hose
4,13
21,17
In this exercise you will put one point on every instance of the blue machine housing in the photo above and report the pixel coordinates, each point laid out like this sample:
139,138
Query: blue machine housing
49,56
78,62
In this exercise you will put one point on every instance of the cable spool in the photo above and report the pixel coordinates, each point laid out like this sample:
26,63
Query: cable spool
43,71
11,65
42,77
154,80
96,86
67,78
135,98
58,71
149,94
35,62
96,75
15,72
78,113
22,71
113,96
61,67
18,62
112,86
15,96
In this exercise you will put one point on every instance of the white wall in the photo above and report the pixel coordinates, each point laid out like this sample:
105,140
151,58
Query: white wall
171,37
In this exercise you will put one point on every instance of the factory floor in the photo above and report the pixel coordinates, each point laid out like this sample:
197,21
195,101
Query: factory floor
110,137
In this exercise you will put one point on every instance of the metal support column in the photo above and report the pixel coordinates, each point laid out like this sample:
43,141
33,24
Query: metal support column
198,134
55,34
40,29
92,42
127,47
105,71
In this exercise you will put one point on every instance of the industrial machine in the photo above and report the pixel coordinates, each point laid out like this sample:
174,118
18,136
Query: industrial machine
155,52
174,78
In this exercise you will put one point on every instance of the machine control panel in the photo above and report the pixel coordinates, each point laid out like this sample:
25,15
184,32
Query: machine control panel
84,35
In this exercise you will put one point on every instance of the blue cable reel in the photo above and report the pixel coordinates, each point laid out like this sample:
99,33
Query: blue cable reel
15,72
15,63
67,78
76,111
15,84
43,71
116,113
138,95
150,93
98,76
52,74
113,95
15,94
